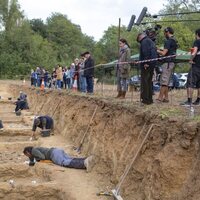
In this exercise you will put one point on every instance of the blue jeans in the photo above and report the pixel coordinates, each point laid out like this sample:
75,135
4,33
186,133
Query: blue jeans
71,82
38,82
122,84
90,84
82,83
58,83
45,84
59,157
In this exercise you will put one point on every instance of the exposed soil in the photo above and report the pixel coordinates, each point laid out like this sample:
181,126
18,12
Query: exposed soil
167,167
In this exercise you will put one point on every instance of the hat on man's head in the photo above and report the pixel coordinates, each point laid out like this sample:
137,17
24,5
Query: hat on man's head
85,53
140,36
37,121
169,29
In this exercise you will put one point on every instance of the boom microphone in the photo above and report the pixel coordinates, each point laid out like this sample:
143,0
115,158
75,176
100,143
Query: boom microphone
131,23
142,15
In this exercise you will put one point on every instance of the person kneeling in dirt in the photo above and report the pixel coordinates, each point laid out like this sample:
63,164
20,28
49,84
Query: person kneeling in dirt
20,105
43,122
58,157
23,97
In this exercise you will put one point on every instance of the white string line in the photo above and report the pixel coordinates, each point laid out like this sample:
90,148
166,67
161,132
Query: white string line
137,62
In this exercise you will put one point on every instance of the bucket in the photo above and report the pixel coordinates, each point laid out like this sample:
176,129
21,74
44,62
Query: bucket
18,113
1,124
45,133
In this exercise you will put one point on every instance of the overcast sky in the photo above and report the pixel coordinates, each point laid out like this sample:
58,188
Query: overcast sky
94,16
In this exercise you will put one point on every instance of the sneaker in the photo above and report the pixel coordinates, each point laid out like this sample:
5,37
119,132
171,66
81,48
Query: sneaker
196,103
89,163
186,103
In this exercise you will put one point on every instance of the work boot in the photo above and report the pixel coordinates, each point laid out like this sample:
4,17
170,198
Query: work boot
119,94
123,95
89,163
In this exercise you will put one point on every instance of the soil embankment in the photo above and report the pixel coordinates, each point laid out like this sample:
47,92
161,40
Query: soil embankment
168,165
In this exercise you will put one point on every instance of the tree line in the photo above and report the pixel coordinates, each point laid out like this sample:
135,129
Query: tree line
26,44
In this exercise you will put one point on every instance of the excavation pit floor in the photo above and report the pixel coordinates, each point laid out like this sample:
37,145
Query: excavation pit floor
14,138
14,126
11,157
44,191
23,174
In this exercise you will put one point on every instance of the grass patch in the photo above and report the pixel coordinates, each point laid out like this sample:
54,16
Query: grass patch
196,118
170,112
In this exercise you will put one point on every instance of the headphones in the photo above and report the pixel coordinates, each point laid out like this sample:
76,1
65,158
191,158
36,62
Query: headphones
169,29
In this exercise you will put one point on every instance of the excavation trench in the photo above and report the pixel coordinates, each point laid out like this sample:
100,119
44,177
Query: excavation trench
32,192
168,163
22,173
19,181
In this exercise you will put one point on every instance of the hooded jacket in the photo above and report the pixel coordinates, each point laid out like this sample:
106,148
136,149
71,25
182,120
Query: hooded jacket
124,68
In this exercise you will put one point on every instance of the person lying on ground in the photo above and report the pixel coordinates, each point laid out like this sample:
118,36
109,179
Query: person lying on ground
44,122
58,157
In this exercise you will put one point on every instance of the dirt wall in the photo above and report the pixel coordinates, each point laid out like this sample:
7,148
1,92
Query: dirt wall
168,165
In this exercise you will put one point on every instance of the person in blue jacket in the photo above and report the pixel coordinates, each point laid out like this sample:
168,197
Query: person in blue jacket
44,122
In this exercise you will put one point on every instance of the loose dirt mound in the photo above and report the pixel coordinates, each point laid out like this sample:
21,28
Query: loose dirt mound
168,165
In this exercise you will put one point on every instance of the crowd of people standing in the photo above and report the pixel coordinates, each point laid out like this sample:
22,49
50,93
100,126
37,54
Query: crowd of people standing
149,55
81,70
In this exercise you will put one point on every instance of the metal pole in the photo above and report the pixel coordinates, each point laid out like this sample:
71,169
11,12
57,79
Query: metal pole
119,35
132,161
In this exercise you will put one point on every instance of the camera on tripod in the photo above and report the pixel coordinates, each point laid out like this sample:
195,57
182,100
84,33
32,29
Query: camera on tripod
153,32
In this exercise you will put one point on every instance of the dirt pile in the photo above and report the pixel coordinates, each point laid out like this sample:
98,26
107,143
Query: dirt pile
168,165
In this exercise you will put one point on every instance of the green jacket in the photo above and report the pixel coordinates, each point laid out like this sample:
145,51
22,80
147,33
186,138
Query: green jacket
41,153
123,70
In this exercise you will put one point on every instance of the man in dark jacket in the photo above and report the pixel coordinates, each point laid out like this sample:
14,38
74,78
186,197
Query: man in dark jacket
89,72
43,122
58,157
23,99
147,51
20,105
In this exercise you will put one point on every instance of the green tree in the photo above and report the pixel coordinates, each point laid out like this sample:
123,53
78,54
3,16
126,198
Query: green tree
65,36
10,14
39,27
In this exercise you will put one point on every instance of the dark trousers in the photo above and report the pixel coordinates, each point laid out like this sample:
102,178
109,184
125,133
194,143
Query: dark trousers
77,163
65,83
59,157
146,85
20,105
90,84
33,81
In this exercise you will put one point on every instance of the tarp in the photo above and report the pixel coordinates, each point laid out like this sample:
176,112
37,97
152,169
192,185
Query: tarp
183,56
